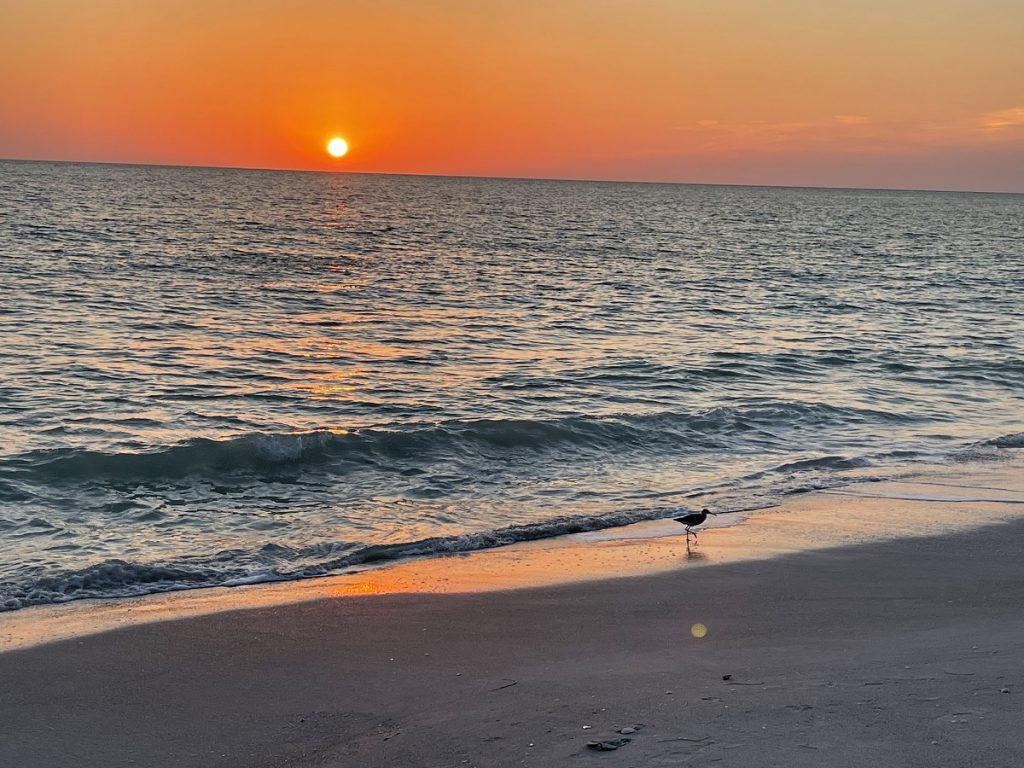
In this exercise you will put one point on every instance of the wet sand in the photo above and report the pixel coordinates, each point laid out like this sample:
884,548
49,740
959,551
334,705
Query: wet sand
904,652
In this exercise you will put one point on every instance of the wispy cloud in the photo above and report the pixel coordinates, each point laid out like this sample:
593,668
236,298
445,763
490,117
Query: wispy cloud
1002,119
851,119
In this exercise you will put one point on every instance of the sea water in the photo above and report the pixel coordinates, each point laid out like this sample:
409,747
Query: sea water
224,376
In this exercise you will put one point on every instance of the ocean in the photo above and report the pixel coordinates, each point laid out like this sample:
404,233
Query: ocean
217,377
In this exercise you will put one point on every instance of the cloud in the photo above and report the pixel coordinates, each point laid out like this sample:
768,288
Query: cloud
851,119
1002,119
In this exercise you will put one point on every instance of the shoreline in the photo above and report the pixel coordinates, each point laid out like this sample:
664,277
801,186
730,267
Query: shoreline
926,500
892,651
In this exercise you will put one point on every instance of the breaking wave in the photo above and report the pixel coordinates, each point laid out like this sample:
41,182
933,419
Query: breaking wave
275,562
1015,440
339,451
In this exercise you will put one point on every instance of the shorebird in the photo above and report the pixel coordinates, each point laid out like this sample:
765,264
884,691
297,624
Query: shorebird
692,520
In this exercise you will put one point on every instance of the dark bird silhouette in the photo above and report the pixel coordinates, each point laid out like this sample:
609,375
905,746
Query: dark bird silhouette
692,520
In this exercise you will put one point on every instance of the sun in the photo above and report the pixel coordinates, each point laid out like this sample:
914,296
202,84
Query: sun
337,147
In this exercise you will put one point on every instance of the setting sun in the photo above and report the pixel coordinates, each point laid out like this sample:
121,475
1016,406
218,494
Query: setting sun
337,147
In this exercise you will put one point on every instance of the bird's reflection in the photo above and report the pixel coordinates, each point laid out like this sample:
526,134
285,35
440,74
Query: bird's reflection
694,555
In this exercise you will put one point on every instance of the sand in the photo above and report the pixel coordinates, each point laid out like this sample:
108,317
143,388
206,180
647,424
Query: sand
905,652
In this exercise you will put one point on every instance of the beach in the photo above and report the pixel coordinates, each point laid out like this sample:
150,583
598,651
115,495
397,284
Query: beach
881,651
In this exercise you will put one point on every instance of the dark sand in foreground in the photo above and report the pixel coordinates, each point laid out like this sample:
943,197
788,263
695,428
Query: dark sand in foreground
904,653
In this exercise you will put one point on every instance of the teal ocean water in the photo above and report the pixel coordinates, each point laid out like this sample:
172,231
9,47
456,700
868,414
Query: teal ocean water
226,376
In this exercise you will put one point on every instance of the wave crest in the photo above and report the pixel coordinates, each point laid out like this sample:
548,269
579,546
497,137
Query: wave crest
1013,440
719,428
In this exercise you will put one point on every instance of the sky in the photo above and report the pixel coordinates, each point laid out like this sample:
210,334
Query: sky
923,94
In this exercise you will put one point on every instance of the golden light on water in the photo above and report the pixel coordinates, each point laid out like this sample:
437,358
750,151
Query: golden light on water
337,147
698,630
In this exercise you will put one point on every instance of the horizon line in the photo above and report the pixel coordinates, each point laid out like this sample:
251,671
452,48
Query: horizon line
505,178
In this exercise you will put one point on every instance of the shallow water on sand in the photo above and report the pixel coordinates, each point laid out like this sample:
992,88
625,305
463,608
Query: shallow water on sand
220,376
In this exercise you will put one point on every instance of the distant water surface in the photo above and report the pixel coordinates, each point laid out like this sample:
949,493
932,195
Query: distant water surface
221,376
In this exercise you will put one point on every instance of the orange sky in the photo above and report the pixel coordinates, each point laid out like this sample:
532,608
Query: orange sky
893,93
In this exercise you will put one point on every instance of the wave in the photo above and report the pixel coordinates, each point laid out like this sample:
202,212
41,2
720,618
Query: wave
343,451
820,463
275,562
1014,440
994,449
